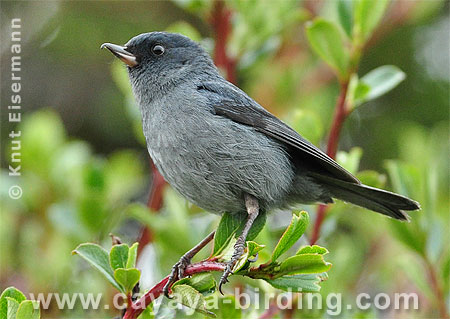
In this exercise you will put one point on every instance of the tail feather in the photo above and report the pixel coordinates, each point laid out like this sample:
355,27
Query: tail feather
378,200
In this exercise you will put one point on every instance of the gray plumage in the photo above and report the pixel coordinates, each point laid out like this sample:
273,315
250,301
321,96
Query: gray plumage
213,143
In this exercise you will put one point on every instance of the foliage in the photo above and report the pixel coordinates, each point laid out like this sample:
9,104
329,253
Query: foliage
14,305
301,272
85,163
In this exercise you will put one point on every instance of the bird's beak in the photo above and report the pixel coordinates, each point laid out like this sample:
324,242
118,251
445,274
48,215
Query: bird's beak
121,53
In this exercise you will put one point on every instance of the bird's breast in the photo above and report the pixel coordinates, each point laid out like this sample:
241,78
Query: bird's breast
213,161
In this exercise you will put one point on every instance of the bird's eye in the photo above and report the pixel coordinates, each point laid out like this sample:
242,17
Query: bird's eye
158,49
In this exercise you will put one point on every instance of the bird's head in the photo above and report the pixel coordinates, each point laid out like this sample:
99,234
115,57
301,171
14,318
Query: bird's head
157,59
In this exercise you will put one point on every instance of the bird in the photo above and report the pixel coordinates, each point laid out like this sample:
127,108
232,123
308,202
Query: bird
222,150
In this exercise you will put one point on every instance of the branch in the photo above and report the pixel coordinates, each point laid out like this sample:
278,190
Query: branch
340,114
139,306
154,203
220,22
437,289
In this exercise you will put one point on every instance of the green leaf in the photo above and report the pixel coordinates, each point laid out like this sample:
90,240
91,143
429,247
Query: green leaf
326,40
28,309
227,308
304,264
256,228
118,256
367,15
147,313
361,93
293,232
315,249
132,254
380,81
252,249
297,283
98,257
357,92
43,133
128,278
372,178
11,308
350,161
345,14
188,296
123,180
13,293
228,226
308,123
232,225
203,282
404,177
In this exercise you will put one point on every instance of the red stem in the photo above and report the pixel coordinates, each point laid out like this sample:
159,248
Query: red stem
154,203
221,24
320,216
435,285
138,307
340,114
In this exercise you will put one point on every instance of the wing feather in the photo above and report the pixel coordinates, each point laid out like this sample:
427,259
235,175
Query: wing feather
248,112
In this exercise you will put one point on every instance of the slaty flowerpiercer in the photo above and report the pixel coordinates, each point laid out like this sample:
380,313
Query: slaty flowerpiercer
222,150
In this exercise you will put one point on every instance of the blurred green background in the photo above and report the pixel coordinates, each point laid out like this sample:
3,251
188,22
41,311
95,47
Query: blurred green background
86,172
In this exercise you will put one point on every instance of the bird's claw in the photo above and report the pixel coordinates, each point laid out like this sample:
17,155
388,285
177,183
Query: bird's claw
227,272
238,252
177,273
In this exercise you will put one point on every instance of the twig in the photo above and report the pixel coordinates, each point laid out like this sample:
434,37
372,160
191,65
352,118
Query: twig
437,289
154,203
341,111
220,22
340,115
139,306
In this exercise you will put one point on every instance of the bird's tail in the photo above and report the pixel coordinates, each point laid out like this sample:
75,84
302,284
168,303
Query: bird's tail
378,200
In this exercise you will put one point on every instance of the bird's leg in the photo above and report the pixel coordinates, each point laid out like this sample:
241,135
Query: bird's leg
179,268
251,203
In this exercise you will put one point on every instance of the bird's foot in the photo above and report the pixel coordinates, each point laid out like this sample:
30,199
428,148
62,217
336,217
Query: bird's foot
239,248
176,274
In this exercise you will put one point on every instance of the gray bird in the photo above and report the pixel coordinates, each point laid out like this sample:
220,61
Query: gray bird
222,150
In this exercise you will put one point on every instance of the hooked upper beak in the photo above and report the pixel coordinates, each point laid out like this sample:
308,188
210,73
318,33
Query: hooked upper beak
121,53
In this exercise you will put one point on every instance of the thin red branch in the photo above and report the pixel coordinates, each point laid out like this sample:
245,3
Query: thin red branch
320,216
340,114
437,289
339,117
400,16
154,203
138,307
221,24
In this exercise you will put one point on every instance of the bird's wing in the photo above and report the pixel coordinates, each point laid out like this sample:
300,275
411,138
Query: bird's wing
231,102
